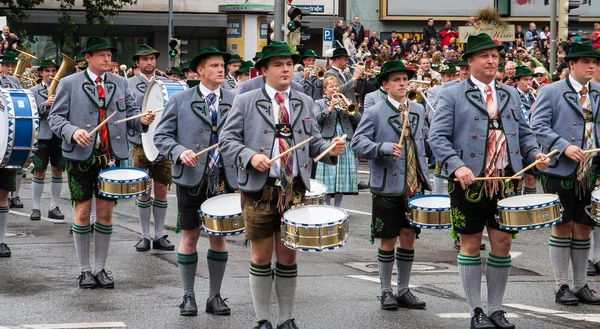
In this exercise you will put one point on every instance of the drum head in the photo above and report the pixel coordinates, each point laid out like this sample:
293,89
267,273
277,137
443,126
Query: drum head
222,206
316,189
430,202
595,193
123,174
529,201
153,100
315,216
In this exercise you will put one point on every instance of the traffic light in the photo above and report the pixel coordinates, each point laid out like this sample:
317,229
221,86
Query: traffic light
295,26
271,32
174,52
565,18
183,50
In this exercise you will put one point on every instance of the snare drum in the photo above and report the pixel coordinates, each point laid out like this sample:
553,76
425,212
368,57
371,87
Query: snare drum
122,183
316,195
19,128
157,95
314,228
430,211
593,210
222,215
529,212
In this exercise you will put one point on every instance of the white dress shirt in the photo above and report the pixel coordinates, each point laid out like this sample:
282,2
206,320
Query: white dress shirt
205,91
93,76
275,171
481,87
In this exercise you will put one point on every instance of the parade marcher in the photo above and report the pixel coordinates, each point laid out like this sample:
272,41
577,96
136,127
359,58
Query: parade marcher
79,62
375,97
243,72
257,56
573,174
258,128
203,110
346,81
174,74
49,144
476,132
522,79
377,139
334,120
159,171
313,87
232,66
594,258
188,73
86,155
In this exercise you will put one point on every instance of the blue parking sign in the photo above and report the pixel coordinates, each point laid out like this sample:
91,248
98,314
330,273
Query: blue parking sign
328,35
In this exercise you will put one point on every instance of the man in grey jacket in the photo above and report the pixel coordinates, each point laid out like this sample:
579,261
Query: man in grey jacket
262,124
232,66
347,81
313,87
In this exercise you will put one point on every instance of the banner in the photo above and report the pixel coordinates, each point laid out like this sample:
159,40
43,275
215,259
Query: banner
491,28
263,31
235,34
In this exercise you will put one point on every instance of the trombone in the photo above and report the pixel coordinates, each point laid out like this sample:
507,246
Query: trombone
316,71
345,104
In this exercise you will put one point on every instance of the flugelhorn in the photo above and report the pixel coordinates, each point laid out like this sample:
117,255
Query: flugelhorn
345,104
66,64
22,63
316,71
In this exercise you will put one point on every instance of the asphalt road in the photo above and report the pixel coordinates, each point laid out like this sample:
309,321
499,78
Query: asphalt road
336,289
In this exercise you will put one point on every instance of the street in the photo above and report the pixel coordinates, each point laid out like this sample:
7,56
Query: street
336,289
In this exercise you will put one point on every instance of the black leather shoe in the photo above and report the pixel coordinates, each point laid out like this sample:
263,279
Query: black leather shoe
288,324
363,186
87,280
36,214
264,324
457,244
565,296
143,245
104,281
16,202
4,250
498,318
55,214
591,270
217,306
188,307
408,300
587,296
597,267
162,244
482,246
480,320
388,301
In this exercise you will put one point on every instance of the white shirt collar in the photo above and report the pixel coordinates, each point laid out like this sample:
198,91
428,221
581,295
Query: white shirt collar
205,91
482,85
396,104
94,76
151,78
578,86
271,92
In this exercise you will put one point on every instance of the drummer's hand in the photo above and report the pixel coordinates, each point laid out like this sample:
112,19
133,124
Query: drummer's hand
397,151
81,137
148,118
575,153
260,162
340,146
49,101
188,158
465,177
544,161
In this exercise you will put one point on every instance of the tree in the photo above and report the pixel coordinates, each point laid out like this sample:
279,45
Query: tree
96,12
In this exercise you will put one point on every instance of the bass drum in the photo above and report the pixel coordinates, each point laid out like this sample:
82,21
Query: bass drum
157,96
19,128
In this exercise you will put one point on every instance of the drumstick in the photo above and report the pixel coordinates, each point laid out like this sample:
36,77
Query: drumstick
491,178
101,124
532,165
139,115
206,150
291,149
591,151
404,126
331,147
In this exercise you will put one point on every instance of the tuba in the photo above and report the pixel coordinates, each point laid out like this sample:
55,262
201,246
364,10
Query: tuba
65,66
23,61
345,104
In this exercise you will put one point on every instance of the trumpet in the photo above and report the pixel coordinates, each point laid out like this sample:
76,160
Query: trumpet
345,104
316,71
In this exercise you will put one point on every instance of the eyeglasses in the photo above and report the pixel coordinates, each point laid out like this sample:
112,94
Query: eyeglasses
539,75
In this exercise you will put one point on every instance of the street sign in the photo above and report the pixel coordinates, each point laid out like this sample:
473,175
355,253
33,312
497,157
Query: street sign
318,9
327,40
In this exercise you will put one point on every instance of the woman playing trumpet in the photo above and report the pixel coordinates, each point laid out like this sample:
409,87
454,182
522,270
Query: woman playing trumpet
335,118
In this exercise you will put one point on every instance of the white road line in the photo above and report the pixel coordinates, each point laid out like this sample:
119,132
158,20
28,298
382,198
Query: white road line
375,279
515,254
468,316
358,212
55,221
534,309
77,325
364,172
581,317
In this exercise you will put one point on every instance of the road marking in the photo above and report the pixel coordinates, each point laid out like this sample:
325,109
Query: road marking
376,280
515,254
364,172
581,317
534,309
358,212
78,325
55,221
468,316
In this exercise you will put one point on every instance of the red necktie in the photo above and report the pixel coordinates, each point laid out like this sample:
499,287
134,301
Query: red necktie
287,162
104,130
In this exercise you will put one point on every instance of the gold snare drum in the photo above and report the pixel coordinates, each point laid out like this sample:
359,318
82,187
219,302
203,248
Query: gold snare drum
122,183
430,211
316,195
222,215
529,212
314,228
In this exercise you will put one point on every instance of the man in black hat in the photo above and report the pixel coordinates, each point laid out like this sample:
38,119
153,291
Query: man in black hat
564,119
346,81
48,146
476,132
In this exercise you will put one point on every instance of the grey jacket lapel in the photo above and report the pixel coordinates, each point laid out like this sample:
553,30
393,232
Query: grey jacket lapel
110,90
295,109
572,98
264,107
89,88
395,119
594,104
224,107
475,97
42,91
141,84
200,108
503,98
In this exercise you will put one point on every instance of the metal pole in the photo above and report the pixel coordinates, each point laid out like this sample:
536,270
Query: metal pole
553,36
279,12
170,32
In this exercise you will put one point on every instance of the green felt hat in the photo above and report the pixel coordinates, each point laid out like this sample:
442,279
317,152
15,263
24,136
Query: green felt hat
391,67
276,49
257,56
174,70
479,42
309,53
47,62
79,57
578,50
9,57
205,52
185,67
339,52
448,68
463,62
244,67
523,71
97,43
235,58
143,50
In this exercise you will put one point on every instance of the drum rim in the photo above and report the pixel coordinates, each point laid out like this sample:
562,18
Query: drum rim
531,227
288,221
594,199
421,196
312,249
538,206
229,233
119,196
122,180
434,227
216,197
313,196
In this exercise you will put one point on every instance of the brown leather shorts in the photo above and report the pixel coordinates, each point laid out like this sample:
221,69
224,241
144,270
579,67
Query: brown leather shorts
159,171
